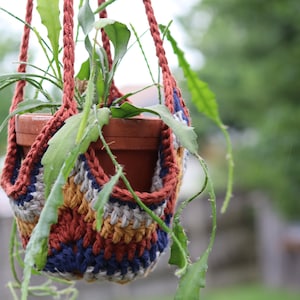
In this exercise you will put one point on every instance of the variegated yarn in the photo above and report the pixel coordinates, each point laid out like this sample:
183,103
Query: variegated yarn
129,242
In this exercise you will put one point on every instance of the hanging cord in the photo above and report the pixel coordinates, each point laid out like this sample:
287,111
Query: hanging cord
19,90
161,55
9,164
68,57
68,108
170,84
114,91
21,177
168,80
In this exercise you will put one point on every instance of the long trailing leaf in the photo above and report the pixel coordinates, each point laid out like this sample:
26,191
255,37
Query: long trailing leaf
49,13
160,222
177,257
202,97
26,76
12,246
195,276
103,6
42,42
60,146
29,106
193,280
205,102
64,141
89,99
36,251
86,21
184,133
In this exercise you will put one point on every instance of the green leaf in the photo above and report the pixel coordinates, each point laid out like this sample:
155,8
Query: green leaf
184,133
205,102
89,97
193,280
60,145
119,35
29,106
126,110
64,142
104,195
101,23
86,18
195,276
13,77
103,6
177,257
84,72
202,97
37,247
49,13
58,164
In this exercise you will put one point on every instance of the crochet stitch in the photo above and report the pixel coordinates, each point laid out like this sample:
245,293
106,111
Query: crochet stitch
129,242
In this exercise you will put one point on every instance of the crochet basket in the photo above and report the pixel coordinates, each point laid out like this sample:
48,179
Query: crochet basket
129,242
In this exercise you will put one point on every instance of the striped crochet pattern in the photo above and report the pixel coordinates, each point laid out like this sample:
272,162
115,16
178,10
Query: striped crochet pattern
130,242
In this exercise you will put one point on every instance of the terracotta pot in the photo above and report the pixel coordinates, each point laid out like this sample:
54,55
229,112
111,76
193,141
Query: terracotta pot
133,141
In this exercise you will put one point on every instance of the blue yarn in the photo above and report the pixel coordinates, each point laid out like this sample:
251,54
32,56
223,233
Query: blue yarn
145,259
168,219
99,262
31,187
69,261
162,241
135,265
112,266
163,169
152,252
16,168
178,107
124,265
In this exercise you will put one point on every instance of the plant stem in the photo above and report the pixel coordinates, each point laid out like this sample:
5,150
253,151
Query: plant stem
103,6
229,157
143,52
12,246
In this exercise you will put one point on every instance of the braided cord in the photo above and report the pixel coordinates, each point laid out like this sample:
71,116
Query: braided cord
67,109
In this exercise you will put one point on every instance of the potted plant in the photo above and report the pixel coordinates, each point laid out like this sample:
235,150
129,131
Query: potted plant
72,187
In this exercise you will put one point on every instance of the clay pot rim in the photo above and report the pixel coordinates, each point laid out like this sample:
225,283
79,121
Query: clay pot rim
134,129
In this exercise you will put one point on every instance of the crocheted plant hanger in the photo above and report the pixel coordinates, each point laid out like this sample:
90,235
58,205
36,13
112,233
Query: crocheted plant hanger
129,242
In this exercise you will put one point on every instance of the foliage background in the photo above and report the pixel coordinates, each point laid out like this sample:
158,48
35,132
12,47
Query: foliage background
252,63
8,49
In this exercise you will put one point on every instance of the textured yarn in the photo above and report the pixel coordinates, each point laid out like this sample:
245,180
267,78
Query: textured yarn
129,242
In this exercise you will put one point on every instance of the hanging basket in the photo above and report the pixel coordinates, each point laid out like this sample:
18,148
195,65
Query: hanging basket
130,241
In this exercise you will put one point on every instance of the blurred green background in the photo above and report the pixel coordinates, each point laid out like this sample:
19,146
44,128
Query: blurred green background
251,52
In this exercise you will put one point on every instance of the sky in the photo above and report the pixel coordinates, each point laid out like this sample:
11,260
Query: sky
132,70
